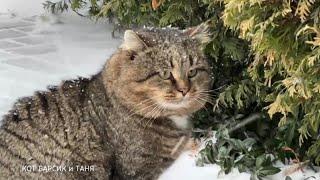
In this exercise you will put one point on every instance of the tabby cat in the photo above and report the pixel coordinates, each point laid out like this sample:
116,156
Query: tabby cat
130,121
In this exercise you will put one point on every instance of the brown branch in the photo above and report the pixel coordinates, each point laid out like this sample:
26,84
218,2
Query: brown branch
245,121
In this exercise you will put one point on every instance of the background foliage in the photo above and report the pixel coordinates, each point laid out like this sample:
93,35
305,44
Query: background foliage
265,56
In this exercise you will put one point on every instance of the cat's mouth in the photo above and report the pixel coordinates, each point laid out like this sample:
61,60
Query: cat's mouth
176,103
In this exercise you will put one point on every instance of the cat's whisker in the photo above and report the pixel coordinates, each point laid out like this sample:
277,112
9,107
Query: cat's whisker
204,95
207,90
204,92
161,109
146,108
202,104
216,89
154,115
141,109
207,95
150,113
144,101
159,112
205,99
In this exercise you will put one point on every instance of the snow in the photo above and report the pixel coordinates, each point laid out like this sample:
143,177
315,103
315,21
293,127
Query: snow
185,168
46,51
49,52
24,7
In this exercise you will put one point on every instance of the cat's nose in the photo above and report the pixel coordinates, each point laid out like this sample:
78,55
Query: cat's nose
183,89
182,85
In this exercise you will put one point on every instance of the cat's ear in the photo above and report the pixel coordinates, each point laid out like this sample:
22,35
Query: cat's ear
200,32
132,41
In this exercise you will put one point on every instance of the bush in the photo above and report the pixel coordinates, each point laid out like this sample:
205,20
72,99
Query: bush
265,56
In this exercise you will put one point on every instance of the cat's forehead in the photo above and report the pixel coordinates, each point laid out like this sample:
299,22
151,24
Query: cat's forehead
170,56
168,46
165,36
178,52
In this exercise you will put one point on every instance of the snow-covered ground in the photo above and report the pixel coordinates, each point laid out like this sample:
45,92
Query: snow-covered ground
23,7
40,51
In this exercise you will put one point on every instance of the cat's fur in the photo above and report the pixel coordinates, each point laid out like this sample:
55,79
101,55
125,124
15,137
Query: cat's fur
119,121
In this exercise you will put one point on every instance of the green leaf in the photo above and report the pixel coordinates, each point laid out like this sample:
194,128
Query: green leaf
248,143
265,171
260,160
239,158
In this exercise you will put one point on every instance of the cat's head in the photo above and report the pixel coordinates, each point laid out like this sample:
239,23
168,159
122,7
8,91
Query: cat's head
161,72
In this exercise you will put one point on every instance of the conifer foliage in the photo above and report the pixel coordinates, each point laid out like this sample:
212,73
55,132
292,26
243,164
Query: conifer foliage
266,58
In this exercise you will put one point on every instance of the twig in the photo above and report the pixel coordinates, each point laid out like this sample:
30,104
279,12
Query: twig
253,117
245,121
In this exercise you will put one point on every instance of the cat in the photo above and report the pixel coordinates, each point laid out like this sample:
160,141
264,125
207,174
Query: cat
129,121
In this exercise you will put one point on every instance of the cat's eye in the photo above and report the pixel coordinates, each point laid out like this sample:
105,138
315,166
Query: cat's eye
192,73
165,74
